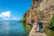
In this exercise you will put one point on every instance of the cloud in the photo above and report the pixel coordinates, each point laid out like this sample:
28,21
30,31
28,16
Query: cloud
13,18
7,16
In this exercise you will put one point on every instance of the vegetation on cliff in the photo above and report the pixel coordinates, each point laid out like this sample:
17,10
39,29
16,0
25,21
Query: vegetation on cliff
51,22
27,27
24,20
49,32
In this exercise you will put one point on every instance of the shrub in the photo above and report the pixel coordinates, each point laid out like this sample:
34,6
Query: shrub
24,20
51,22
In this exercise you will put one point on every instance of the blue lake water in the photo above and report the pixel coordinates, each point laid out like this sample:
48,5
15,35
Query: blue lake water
11,28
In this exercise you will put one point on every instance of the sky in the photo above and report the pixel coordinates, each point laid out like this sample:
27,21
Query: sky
14,9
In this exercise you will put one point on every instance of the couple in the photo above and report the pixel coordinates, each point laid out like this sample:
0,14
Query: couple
38,25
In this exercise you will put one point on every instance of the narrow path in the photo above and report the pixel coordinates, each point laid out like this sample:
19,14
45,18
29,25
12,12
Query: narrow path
33,33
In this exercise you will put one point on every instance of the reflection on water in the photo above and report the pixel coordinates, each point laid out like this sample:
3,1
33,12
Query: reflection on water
11,28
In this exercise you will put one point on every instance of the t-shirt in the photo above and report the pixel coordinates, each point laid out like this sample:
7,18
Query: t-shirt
40,24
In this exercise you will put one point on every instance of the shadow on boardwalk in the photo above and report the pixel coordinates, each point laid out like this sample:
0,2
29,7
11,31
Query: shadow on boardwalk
33,33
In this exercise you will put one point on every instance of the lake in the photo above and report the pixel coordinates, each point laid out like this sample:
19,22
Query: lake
11,28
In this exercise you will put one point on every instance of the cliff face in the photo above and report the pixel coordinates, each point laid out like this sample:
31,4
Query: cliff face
46,4
31,15
47,8
44,8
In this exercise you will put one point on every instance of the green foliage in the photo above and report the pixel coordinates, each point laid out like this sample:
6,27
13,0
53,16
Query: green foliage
37,18
28,27
49,32
37,0
24,20
51,22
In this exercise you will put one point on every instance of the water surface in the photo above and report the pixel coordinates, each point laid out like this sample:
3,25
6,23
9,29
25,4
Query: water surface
11,28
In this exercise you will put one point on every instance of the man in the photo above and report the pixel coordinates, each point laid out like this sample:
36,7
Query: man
40,26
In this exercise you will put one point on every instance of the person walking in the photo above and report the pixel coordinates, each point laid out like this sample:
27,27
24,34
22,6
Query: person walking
40,26
35,27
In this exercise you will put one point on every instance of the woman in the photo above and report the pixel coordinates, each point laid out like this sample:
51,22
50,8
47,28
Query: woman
35,26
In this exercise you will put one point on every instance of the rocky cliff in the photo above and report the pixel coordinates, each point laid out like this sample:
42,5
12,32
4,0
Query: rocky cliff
47,8
44,8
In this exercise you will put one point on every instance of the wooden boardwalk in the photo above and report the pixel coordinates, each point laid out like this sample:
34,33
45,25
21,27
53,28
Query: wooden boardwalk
33,33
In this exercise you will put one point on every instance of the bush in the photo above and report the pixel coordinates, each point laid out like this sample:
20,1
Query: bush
51,22
24,20
37,0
